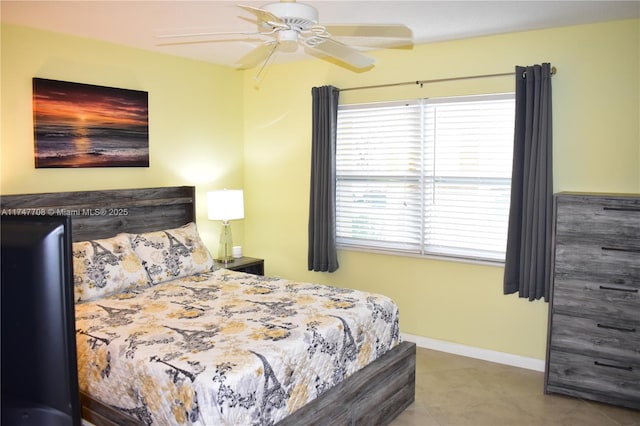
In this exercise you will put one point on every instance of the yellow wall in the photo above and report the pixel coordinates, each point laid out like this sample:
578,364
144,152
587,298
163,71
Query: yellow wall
213,127
597,148
195,117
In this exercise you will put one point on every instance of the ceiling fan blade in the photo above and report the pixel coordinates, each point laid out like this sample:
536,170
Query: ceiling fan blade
375,31
342,52
197,37
262,15
210,41
257,55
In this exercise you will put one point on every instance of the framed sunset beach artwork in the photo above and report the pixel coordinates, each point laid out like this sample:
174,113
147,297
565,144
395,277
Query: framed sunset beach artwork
82,125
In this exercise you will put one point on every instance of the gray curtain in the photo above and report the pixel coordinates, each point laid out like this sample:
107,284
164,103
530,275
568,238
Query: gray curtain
528,256
322,254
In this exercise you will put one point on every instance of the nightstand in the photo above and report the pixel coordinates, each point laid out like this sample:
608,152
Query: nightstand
250,265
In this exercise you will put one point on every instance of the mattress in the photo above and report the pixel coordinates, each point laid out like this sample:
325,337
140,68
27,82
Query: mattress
227,348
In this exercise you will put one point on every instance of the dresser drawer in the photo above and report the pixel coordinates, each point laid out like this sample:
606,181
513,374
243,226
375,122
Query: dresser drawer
608,222
596,298
600,264
607,338
598,376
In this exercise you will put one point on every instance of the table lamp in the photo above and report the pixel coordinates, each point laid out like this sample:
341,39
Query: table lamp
225,205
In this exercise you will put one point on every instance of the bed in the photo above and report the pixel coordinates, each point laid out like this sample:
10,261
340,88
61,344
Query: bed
200,345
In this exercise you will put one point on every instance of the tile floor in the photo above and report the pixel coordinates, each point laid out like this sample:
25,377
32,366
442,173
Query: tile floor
458,391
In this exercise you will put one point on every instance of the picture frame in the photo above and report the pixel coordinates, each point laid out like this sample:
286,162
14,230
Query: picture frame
85,125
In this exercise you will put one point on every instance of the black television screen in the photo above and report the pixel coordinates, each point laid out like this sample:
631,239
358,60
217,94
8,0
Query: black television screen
38,353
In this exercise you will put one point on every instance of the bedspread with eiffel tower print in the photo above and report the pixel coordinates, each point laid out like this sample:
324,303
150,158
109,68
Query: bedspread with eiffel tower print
227,348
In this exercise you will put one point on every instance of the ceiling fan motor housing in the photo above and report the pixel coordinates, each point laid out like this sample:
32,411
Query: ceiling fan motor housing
296,15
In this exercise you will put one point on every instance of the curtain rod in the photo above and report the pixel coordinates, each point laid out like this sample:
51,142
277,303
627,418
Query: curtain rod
439,80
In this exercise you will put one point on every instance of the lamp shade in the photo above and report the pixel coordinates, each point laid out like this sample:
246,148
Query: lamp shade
226,204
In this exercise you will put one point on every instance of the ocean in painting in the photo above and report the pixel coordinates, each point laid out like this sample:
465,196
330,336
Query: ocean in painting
59,145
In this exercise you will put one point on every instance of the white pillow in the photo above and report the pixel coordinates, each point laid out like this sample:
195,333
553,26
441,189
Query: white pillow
105,267
172,253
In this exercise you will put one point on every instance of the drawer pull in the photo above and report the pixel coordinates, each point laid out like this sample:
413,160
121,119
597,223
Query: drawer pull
619,367
622,209
624,249
613,327
628,290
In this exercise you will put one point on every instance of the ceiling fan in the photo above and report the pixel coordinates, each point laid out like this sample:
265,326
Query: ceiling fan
286,25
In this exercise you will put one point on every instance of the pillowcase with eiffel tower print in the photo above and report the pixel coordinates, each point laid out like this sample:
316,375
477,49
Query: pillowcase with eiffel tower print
172,253
105,267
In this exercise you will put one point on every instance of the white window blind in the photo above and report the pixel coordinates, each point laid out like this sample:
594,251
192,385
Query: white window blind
426,177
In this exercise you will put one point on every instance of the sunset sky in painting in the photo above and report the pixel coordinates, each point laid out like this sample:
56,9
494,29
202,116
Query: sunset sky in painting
75,104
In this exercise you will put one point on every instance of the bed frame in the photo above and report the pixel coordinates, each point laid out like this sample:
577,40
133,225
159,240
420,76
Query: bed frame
374,395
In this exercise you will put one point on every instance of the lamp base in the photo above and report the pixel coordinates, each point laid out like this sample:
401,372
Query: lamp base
225,249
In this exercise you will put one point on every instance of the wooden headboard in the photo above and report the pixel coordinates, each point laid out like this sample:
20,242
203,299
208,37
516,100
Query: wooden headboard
105,213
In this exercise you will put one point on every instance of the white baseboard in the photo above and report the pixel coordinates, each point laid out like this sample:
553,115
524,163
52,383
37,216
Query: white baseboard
478,353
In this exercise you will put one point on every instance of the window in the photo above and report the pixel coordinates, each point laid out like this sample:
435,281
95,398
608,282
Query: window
426,177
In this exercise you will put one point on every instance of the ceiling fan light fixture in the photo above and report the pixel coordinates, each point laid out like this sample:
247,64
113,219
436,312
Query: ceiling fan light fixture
288,40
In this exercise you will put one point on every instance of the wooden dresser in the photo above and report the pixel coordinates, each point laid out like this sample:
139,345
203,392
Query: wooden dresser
593,349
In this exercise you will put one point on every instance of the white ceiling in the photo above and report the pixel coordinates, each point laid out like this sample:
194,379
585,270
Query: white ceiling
136,23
